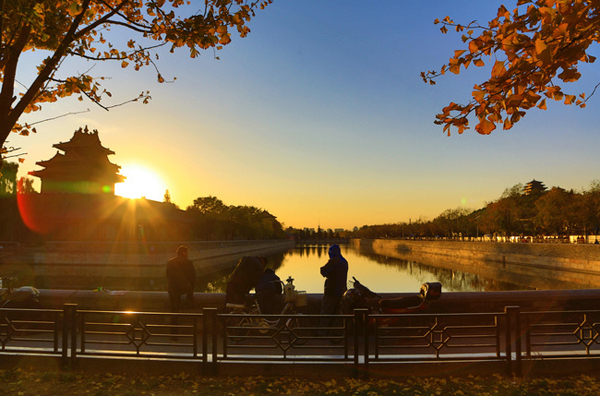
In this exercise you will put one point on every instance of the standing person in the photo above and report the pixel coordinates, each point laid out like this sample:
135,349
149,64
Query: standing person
336,277
181,278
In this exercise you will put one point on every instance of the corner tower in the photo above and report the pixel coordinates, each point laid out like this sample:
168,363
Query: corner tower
82,167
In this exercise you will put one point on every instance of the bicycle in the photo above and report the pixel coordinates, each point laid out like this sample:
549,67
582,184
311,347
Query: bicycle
22,297
249,321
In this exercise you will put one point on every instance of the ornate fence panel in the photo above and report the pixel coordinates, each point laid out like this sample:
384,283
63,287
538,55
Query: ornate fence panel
140,334
361,340
436,337
287,337
31,331
561,334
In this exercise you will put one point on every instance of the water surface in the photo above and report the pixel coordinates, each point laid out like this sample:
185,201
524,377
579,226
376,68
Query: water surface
380,273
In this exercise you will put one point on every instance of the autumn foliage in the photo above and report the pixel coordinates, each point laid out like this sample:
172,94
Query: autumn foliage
94,30
531,50
36,382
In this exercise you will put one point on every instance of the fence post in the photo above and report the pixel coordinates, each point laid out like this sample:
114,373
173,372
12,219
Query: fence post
69,331
517,316
74,335
512,315
214,330
209,321
360,329
366,339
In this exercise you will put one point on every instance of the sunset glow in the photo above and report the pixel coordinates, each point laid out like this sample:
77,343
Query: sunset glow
140,182
320,122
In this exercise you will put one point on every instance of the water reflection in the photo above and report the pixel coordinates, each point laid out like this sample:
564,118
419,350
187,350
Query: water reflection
451,279
382,274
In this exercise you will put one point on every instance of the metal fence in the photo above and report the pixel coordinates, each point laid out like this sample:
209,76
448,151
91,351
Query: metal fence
360,340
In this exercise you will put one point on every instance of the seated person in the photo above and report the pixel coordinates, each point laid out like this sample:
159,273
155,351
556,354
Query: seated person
244,277
268,292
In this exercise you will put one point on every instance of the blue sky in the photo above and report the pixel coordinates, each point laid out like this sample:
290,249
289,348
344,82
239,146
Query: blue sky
320,117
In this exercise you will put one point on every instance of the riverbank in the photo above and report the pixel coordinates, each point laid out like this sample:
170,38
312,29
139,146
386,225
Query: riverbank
58,263
575,263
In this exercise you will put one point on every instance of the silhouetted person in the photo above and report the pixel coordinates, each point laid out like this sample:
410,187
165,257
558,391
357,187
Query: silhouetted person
268,292
181,277
244,277
336,277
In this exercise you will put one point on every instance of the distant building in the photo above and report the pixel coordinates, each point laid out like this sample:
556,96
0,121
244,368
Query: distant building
77,202
534,186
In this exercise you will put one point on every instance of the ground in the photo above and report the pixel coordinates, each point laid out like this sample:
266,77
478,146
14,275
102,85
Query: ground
23,382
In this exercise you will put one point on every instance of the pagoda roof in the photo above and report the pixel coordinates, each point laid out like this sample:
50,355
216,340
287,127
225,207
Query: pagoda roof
78,167
83,138
83,159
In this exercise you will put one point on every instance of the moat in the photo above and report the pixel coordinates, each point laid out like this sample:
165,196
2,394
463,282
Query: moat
382,274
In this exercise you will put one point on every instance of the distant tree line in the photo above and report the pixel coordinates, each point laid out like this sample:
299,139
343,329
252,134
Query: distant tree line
312,235
215,221
556,212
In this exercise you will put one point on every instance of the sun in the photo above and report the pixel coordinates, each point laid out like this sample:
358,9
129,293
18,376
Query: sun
140,182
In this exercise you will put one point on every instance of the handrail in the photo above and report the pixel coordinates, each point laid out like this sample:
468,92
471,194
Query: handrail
365,339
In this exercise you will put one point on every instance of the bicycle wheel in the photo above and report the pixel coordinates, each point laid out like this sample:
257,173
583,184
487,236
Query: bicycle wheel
299,328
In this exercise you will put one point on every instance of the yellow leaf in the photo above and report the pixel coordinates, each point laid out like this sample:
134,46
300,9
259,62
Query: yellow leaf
542,104
479,96
569,99
498,70
473,46
485,127
225,39
542,51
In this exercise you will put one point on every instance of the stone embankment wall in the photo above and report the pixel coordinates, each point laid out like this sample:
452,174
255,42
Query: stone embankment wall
95,260
584,258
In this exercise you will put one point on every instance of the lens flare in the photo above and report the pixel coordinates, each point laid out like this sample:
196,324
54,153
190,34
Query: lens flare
140,182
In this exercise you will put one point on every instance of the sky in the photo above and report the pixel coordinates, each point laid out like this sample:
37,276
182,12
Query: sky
320,117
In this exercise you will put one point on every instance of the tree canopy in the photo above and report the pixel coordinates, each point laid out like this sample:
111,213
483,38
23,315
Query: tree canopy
8,179
531,51
83,29
213,220
556,212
